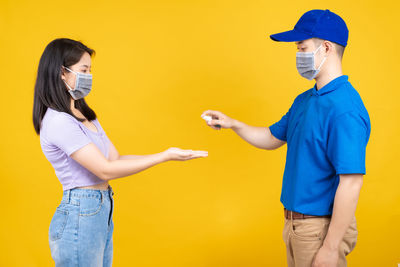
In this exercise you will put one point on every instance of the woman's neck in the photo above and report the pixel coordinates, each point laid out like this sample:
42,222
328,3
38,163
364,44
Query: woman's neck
76,111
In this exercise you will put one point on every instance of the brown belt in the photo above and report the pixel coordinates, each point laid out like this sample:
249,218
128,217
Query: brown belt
297,215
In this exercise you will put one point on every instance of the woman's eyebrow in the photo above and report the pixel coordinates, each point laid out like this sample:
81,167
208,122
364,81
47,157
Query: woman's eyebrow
85,66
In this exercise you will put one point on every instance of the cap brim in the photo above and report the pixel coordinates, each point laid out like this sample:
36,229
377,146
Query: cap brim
290,36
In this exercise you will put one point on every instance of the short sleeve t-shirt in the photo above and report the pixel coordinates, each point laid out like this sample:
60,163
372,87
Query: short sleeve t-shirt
326,131
61,135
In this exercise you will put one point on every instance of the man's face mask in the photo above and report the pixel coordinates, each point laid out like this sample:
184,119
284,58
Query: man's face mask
305,63
83,85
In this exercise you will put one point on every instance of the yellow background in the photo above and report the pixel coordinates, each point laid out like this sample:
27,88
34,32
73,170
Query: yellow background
159,65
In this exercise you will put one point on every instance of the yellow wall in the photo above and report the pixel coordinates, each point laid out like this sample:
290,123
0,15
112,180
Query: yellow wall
159,65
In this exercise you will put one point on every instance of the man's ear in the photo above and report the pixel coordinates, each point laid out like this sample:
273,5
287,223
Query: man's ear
328,47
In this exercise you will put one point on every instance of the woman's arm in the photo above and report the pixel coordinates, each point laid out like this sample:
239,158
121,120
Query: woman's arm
132,156
92,159
114,155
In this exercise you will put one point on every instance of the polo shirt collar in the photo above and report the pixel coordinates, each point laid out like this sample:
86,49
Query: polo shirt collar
331,86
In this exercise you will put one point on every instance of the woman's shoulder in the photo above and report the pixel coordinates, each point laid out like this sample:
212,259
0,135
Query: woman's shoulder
53,123
57,120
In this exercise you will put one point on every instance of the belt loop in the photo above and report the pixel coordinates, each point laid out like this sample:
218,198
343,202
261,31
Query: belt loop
291,221
111,190
67,197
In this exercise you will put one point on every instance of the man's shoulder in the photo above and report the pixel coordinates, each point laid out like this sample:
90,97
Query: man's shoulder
300,97
348,99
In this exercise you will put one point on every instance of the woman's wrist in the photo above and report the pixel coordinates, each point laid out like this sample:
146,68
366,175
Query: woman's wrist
164,156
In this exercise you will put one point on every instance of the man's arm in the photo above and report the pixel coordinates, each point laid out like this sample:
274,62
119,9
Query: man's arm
344,208
260,137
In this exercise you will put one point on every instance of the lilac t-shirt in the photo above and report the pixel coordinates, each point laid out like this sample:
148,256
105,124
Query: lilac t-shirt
60,135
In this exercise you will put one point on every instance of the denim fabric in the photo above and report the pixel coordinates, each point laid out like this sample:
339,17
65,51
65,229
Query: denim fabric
80,232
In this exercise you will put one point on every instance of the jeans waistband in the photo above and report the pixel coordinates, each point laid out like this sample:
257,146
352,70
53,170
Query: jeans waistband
75,193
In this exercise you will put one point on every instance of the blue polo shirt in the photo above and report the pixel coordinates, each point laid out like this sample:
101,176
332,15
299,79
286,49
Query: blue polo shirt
326,132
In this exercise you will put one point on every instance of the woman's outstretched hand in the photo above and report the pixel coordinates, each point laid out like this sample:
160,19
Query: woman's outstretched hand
175,153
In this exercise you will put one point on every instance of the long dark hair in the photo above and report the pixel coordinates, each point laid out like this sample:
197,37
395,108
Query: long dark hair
50,90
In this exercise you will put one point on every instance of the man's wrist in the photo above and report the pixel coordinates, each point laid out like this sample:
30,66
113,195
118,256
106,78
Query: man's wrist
236,125
331,243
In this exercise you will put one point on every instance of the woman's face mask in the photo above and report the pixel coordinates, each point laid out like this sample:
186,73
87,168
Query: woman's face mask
83,84
305,63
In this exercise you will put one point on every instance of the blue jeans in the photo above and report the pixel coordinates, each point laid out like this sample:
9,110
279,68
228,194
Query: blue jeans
81,229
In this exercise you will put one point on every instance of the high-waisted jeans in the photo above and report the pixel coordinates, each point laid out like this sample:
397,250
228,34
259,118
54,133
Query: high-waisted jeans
81,229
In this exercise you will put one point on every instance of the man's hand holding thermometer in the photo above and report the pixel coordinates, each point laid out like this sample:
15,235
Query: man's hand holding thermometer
217,120
260,137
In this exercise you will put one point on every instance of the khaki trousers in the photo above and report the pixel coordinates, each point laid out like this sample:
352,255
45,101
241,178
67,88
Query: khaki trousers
304,237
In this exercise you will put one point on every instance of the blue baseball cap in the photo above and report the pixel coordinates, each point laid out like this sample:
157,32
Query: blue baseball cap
318,23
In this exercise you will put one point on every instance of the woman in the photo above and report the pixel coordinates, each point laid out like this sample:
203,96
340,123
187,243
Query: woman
83,157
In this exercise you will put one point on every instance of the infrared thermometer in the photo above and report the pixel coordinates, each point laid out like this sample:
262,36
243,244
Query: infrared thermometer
208,119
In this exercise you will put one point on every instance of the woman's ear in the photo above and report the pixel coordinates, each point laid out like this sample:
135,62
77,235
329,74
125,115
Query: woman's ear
63,73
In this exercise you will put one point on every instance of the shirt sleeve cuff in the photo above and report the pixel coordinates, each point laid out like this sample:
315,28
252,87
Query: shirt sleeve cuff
277,132
350,171
75,148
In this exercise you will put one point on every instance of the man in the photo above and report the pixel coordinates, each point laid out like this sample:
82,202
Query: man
326,129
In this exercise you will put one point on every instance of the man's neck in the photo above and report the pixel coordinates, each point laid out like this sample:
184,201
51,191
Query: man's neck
327,76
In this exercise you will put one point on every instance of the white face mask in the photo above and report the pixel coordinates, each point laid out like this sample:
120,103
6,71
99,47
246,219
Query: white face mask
83,85
305,63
